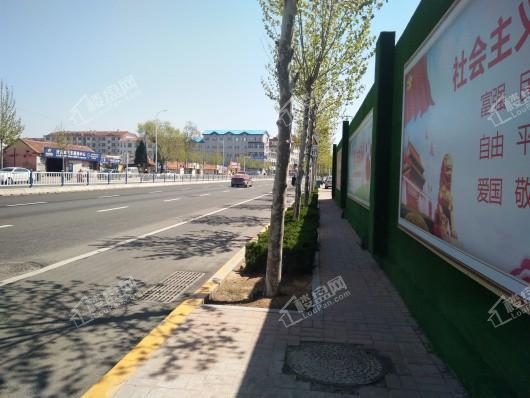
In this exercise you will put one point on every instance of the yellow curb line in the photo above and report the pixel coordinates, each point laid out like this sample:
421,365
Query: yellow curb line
116,376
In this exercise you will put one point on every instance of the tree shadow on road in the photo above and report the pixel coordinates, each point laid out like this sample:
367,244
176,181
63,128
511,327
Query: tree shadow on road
246,221
197,243
44,354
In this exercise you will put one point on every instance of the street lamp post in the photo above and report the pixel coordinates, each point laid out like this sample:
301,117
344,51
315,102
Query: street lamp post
156,138
223,154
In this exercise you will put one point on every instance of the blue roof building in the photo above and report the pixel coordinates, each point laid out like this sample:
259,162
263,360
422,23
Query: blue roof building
235,132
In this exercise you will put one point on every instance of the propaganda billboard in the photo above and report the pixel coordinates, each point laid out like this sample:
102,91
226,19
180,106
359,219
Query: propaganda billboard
339,167
360,162
465,164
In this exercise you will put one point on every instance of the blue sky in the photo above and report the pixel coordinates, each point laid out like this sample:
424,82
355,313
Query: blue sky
201,60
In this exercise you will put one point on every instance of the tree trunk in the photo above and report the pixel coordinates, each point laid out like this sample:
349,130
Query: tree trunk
275,246
301,156
314,172
1,154
307,163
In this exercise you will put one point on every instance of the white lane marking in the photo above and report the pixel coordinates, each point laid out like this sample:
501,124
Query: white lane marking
226,191
114,208
171,200
5,226
108,196
205,194
156,191
104,249
27,204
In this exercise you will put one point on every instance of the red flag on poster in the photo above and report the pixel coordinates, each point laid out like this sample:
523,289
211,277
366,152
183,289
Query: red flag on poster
417,91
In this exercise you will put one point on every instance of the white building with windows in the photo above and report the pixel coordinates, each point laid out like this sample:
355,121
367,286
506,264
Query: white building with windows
273,155
235,145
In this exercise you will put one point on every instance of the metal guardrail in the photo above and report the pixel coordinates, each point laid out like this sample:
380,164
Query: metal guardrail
37,178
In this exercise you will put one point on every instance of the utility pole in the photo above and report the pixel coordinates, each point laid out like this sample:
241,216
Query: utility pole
156,146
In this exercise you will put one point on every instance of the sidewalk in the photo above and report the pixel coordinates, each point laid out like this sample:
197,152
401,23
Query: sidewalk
227,351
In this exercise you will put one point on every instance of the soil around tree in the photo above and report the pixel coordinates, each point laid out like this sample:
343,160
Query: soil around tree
245,289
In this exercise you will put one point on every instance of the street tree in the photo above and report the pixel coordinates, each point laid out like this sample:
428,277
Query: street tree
189,132
283,54
325,129
333,45
329,97
140,155
168,138
10,126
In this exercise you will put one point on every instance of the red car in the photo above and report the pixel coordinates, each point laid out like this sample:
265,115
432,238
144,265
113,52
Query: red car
241,180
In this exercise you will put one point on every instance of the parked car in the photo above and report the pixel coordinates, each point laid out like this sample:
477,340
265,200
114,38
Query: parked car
328,182
14,175
241,180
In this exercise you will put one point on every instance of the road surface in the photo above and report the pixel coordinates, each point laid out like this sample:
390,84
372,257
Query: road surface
59,249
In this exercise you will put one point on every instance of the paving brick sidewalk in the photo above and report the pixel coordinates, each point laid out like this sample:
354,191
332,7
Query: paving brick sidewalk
226,351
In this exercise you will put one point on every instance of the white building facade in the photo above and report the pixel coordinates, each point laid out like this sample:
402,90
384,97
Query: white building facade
273,155
237,145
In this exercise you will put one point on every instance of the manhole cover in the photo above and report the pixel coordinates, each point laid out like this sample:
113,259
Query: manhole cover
170,288
334,364
9,270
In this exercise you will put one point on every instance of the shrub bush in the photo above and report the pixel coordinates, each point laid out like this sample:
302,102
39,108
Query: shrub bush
299,243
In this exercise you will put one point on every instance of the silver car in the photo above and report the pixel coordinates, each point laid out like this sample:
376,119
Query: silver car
14,175
328,182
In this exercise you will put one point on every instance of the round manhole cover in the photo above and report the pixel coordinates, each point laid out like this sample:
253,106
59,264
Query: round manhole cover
342,365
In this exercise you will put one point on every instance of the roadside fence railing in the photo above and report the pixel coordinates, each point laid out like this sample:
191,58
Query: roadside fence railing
38,178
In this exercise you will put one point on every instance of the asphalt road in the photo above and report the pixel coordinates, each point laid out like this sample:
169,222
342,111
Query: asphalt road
79,244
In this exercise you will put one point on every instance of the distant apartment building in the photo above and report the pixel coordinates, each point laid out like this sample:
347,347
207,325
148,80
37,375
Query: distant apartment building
103,142
112,143
273,152
273,155
237,145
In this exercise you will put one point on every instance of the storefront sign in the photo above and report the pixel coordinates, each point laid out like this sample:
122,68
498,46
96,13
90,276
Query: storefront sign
465,172
72,154
111,161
